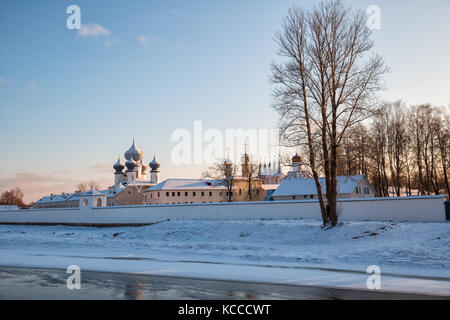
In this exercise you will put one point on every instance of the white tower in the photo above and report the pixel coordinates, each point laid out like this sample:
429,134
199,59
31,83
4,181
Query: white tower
118,175
132,170
296,163
154,173
92,199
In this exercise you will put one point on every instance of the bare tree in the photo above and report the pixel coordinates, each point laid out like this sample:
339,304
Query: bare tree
224,173
410,149
324,86
251,173
394,115
442,131
429,147
378,154
354,151
440,149
94,185
82,187
86,186
12,197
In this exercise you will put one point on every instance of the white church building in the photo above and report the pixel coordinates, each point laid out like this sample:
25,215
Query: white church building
128,188
298,185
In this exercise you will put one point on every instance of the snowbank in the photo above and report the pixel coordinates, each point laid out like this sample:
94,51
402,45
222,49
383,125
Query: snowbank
412,245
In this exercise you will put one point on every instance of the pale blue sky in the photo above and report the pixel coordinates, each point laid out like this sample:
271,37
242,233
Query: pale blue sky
70,104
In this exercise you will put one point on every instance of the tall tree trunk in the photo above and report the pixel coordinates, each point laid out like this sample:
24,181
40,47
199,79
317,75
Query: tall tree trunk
445,164
408,173
419,160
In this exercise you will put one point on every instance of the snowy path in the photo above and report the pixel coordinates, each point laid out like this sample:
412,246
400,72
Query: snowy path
413,257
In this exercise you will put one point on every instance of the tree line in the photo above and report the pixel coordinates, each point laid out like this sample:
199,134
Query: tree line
13,197
404,150
325,88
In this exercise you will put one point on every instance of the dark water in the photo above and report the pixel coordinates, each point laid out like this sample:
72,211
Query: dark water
34,283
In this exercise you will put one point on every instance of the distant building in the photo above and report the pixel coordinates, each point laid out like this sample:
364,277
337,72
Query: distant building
240,189
270,174
64,200
297,171
175,191
135,184
137,171
9,208
241,184
356,186
128,188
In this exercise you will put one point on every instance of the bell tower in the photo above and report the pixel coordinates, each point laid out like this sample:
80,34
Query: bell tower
245,163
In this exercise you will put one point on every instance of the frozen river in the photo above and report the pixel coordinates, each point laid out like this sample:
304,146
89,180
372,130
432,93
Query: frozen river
41,283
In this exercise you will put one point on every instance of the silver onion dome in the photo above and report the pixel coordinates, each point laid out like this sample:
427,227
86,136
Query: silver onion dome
118,166
127,154
130,164
134,152
154,165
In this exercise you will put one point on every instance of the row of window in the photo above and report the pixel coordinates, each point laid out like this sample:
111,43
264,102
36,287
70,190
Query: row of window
186,194
187,202
194,193
305,196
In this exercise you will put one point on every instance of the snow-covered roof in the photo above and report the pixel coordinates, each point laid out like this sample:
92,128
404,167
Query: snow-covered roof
171,184
307,186
270,186
113,191
91,192
141,184
109,193
76,196
59,198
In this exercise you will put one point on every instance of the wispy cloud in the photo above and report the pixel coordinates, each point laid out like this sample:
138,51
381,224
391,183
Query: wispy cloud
102,167
145,40
93,30
31,86
2,80
142,40
109,42
35,186
96,31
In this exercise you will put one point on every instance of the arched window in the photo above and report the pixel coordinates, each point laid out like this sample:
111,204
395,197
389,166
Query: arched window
99,202
85,202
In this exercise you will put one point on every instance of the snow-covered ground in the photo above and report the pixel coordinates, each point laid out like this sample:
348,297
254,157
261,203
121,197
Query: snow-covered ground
285,251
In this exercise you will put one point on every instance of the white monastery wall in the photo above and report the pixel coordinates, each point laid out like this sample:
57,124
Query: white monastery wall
414,209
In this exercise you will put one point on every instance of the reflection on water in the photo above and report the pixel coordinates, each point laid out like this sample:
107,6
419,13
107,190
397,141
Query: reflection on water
134,289
25,283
